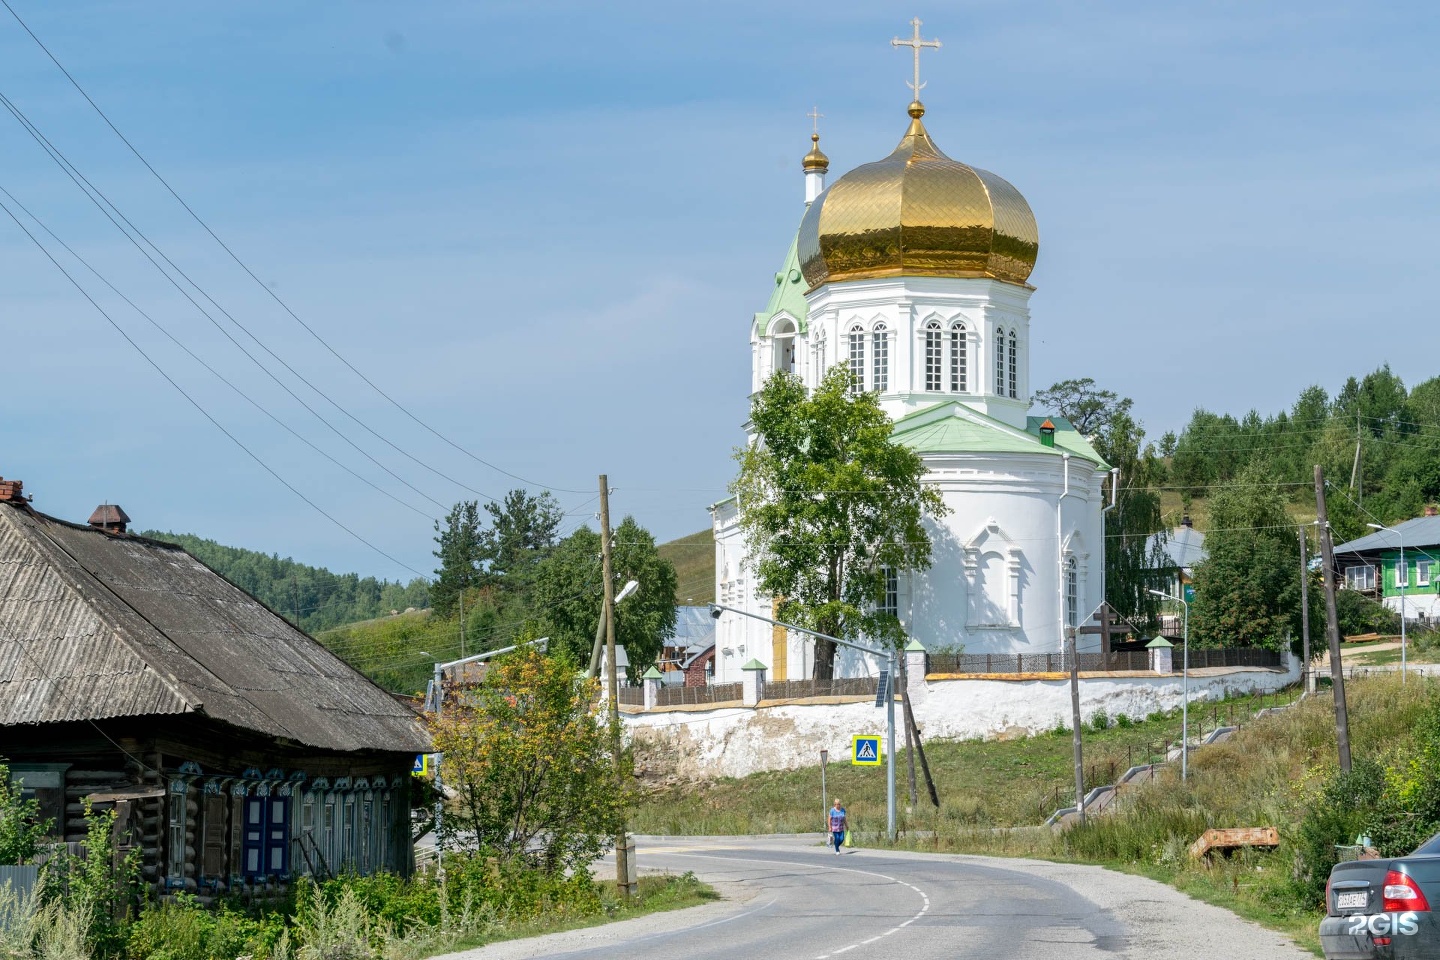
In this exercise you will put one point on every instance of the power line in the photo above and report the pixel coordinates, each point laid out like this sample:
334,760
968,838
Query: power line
92,193
269,292
219,376
193,402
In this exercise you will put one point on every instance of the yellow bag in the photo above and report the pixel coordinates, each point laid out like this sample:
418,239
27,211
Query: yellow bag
849,840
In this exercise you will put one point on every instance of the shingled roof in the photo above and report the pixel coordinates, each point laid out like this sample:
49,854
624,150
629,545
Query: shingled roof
95,625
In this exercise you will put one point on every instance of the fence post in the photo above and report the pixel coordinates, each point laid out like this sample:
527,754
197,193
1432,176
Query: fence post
916,666
752,685
652,679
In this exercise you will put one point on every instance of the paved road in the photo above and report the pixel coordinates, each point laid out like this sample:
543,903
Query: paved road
792,898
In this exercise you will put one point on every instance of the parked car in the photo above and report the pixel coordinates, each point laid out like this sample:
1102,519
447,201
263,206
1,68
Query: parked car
1381,909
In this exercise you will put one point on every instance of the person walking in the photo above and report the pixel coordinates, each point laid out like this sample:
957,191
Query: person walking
838,825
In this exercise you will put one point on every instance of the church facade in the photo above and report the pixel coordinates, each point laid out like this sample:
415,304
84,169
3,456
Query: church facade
912,272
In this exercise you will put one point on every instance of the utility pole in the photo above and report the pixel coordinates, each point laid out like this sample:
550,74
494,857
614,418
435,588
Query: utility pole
622,848
1309,674
1332,623
462,622
1075,722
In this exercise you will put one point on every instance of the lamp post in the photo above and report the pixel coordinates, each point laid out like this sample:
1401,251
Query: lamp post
893,664
1184,686
1402,577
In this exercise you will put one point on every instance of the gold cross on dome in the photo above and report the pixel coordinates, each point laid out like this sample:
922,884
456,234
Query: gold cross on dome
916,44
816,116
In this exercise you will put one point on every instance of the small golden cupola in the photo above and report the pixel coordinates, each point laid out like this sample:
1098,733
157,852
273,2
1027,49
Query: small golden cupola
918,213
815,161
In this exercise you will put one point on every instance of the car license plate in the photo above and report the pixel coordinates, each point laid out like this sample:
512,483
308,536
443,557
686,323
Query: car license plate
1346,901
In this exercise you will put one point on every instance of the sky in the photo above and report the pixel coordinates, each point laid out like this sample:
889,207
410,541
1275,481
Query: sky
542,229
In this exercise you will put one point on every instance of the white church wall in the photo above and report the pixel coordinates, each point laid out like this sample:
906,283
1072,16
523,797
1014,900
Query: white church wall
736,742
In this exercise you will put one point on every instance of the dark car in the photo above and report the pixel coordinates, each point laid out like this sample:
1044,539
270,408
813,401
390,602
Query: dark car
1382,908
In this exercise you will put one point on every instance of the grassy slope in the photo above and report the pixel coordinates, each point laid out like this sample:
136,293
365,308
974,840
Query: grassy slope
983,784
694,560
1266,775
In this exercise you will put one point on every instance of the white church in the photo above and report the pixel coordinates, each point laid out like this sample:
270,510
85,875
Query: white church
913,272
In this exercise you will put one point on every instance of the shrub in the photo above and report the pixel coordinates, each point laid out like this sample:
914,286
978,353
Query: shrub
184,930
1336,816
1123,721
1359,614
21,829
1100,721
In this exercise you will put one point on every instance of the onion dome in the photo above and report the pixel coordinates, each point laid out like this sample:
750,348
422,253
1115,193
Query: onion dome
815,161
918,213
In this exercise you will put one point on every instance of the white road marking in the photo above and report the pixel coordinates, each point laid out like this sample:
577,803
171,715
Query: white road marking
820,866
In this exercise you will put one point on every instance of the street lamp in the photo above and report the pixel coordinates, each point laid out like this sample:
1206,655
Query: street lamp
1402,577
1184,686
630,587
890,658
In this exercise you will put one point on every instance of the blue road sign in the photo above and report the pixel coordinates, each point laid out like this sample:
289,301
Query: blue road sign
865,751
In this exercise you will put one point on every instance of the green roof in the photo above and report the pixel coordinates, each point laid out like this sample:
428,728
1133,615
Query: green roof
955,427
753,665
788,296
652,674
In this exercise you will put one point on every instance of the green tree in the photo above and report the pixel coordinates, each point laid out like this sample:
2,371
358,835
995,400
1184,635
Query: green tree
1133,561
521,531
567,595
1247,591
458,550
828,501
530,766
21,829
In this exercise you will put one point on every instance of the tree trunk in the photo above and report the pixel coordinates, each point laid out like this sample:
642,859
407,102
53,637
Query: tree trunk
824,658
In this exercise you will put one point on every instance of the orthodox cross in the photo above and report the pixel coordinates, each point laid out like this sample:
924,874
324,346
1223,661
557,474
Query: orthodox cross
816,116
916,44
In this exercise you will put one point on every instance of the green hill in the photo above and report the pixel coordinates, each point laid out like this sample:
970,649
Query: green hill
312,597
693,557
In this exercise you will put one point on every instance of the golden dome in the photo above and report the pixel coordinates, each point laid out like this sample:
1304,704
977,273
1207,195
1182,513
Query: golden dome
815,160
918,213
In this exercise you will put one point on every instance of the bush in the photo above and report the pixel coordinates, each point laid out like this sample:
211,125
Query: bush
184,930
1358,614
1337,816
1100,721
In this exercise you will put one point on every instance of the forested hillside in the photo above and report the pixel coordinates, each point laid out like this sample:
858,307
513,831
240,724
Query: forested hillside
313,597
1374,430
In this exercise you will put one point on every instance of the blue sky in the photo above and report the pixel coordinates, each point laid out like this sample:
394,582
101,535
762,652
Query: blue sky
544,226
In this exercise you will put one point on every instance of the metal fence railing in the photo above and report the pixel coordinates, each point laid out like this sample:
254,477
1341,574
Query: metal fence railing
836,687
1115,661
1036,662
681,696
1244,657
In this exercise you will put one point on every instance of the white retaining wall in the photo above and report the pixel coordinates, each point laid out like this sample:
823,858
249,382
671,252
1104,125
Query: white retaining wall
737,741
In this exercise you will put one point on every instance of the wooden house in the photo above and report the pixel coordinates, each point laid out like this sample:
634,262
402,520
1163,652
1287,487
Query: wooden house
237,750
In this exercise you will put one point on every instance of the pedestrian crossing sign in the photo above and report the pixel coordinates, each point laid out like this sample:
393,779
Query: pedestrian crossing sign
865,751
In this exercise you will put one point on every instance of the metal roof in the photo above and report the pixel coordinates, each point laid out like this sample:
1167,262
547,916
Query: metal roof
95,625
1418,533
1185,546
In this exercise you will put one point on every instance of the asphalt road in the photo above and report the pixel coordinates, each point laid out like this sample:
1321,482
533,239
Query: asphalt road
788,897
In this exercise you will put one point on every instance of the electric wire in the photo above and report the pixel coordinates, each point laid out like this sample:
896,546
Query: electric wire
195,403
219,376
96,196
263,286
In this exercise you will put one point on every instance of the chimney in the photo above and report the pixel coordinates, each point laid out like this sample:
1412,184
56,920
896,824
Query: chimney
1047,433
10,491
1185,521
109,518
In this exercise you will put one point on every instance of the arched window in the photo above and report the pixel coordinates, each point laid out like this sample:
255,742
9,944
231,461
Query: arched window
934,356
958,359
783,346
880,359
1072,592
1000,363
1014,366
857,359
818,367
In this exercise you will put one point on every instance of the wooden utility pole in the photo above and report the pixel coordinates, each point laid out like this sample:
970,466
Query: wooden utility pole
1332,623
912,733
1075,723
612,684
1308,674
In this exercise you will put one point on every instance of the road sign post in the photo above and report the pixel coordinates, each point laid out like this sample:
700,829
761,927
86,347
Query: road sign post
890,658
